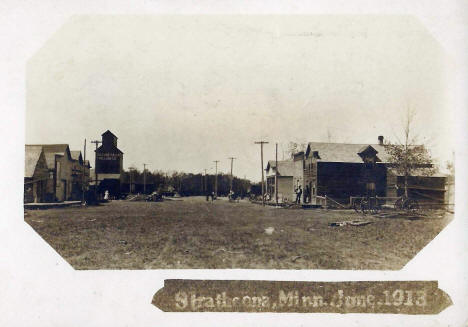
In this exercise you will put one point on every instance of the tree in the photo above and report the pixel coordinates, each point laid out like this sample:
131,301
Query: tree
294,147
406,156
450,166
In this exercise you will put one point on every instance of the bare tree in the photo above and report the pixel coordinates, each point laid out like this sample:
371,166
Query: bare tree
295,147
406,156
450,165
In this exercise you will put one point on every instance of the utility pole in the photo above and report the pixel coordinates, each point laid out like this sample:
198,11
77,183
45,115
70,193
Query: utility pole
216,178
83,175
201,183
144,178
205,183
232,177
263,179
95,168
276,175
130,172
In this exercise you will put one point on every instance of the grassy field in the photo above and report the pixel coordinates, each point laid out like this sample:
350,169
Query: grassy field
197,234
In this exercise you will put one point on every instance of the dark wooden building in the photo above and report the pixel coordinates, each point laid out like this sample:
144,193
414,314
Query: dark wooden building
109,163
341,170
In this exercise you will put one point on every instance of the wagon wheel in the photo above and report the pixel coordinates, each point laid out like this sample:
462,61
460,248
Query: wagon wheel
365,206
412,206
398,204
375,208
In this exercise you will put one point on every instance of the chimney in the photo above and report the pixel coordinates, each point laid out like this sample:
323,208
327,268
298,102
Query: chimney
380,140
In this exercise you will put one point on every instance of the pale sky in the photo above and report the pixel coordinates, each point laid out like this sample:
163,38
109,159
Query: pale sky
182,91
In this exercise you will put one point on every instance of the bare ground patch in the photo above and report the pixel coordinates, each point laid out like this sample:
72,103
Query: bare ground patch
197,234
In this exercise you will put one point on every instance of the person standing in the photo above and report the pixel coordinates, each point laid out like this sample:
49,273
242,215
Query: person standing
298,194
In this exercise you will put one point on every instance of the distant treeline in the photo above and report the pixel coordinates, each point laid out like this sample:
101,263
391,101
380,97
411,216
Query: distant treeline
186,184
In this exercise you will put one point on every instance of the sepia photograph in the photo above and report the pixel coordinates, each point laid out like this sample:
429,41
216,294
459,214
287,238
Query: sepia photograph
235,163
239,141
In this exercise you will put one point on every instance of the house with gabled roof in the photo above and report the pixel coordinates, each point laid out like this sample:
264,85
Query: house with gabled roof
343,170
60,168
35,174
338,170
280,180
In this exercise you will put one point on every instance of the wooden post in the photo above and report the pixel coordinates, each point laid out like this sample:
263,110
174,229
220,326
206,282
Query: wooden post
95,168
144,178
216,178
276,174
84,172
263,178
232,177
205,183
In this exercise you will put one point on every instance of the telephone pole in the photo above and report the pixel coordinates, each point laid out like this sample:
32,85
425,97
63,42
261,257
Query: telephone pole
276,175
263,179
232,177
216,178
204,182
144,178
95,168
201,183
131,177
83,175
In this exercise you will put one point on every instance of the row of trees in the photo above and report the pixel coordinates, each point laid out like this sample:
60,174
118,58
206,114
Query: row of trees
186,184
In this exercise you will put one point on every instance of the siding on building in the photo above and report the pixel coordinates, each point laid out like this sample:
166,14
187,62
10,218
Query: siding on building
109,164
339,171
341,180
36,174
286,171
60,167
285,188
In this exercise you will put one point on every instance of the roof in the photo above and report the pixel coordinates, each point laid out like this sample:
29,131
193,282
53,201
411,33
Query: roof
271,164
50,150
344,152
285,167
76,155
55,148
108,132
109,148
87,164
50,160
32,155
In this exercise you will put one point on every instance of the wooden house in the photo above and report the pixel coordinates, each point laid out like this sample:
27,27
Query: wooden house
35,174
283,175
342,170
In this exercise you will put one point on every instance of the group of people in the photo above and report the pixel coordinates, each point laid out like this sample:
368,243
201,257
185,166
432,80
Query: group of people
307,195
210,196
